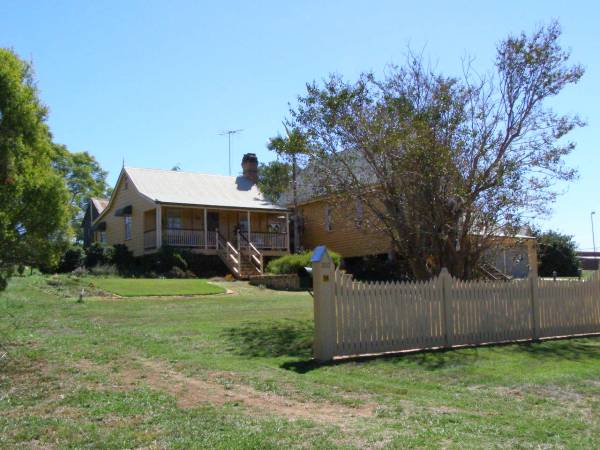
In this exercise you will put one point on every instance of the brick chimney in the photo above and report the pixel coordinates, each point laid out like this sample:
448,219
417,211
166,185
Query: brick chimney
250,166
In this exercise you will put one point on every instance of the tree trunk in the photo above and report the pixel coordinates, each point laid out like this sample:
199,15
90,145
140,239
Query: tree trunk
295,200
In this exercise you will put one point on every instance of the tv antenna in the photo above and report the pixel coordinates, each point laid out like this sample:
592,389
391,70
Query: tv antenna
229,133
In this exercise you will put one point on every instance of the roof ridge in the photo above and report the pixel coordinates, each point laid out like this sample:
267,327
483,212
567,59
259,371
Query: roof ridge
182,171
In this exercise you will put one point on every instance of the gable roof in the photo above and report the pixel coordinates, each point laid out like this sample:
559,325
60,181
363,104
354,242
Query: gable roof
192,188
99,203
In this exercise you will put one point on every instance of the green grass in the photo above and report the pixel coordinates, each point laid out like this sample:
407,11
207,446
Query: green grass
145,287
126,373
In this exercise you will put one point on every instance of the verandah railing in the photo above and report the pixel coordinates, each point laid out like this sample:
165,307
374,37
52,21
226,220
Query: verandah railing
267,240
181,237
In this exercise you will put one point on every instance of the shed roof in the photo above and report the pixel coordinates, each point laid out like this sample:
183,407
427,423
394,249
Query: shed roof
192,188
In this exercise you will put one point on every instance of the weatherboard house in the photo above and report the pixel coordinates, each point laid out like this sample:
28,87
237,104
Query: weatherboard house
206,213
349,229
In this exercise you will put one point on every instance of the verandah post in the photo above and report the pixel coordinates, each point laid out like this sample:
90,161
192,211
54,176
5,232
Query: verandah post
205,230
158,226
324,307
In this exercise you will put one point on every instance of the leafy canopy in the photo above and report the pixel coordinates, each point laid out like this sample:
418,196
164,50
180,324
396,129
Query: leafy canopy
33,197
557,252
445,163
84,178
274,179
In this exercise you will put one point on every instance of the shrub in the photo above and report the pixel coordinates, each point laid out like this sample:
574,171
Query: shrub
97,254
123,259
104,270
204,266
377,268
73,258
295,263
80,272
167,259
176,272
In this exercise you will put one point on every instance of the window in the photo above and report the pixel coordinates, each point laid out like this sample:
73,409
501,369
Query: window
103,237
328,219
127,227
360,212
125,184
173,219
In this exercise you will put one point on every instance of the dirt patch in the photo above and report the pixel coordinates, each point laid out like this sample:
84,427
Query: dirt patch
191,392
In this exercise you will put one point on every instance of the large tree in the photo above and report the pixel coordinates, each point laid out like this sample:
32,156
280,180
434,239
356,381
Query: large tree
274,179
292,149
84,178
444,163
33,197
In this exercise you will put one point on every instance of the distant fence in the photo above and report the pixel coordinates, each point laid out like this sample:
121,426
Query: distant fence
354,318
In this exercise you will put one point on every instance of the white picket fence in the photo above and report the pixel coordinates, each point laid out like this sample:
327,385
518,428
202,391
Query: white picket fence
354,318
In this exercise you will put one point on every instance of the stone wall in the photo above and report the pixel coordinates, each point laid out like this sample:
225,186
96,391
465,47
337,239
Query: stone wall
288,282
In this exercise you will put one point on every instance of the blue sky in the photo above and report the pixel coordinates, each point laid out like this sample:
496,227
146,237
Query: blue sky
155,82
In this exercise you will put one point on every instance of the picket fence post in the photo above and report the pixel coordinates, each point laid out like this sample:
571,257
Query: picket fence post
324,307
535,305
445,287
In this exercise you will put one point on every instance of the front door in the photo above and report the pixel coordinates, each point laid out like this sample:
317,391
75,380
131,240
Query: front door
212,221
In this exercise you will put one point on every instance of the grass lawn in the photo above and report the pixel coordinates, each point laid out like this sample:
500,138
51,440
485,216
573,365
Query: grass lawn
144,287
235,371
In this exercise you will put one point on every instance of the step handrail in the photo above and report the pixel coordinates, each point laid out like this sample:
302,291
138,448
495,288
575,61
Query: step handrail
228,253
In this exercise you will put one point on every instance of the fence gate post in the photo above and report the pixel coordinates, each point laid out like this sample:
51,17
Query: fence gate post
535,305
324,307
445,287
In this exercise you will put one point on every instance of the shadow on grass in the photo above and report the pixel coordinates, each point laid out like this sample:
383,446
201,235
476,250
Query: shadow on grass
439,359
572,349
568,349
433,359
294,338
272,338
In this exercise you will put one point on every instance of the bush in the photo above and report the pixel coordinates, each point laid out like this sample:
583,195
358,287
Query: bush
557,252
97,254
168,258
204,266
72,259
176,272
377,268
80,272
106,270
123,259
295,263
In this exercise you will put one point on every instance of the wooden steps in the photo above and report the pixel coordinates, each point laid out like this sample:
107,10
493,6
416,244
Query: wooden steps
243,261
493,273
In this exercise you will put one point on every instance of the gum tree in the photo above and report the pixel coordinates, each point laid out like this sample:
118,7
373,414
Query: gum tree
445,163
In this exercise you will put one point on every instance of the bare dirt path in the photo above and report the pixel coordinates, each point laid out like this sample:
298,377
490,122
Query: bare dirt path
191,392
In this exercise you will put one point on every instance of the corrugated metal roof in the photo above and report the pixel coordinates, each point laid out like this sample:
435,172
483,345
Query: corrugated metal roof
192,188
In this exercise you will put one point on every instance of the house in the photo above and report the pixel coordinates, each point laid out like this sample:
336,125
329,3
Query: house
92,212
205,213
345,231
348,230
